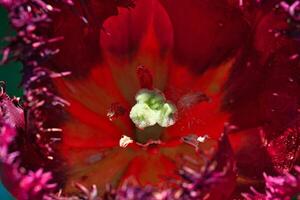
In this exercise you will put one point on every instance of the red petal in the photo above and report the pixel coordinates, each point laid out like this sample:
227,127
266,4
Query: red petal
90,139
80,51
205,32
124,34
263,93
203,117
93,166
150,168
145,77
284,149
140,36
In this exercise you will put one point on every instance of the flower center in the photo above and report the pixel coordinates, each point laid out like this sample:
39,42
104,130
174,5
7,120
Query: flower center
151,113
152,108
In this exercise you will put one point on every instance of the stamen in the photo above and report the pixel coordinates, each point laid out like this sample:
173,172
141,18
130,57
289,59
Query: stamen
191,99
125,141
149,143
115,111
202,139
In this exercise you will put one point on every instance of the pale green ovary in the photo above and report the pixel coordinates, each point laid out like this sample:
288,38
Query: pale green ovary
152,108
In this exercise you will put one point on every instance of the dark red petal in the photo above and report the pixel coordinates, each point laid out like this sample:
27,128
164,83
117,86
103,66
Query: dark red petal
205,32
225,159
284,149
80,28
262,88
263,93
124,33
251,154
253,159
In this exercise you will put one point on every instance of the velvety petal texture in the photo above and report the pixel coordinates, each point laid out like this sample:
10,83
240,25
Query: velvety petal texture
152,99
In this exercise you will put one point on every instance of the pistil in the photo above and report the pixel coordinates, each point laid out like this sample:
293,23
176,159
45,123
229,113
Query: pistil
152,108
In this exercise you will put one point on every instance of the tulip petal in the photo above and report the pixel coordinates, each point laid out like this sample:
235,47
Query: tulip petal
205,32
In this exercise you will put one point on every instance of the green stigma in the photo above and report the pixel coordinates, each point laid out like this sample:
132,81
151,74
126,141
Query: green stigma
152,108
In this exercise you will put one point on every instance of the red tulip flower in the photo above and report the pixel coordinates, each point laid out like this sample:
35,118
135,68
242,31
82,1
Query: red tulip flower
129,99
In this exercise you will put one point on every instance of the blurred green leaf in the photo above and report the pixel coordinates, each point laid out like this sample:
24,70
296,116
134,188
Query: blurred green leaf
11,73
